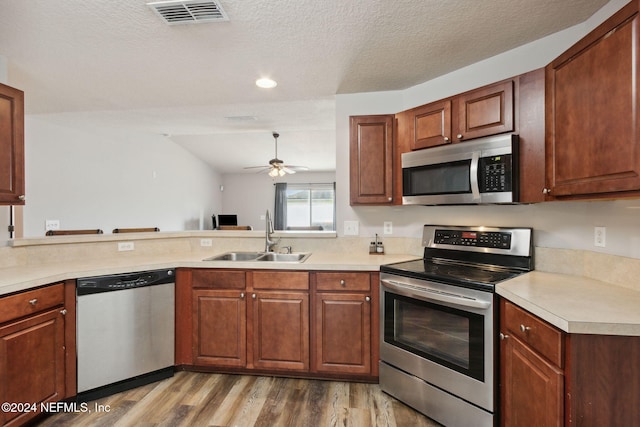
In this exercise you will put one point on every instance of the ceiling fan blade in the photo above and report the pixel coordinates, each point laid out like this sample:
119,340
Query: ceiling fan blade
256,167
297,168
288,170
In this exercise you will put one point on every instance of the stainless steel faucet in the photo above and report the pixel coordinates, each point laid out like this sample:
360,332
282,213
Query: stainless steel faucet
268,243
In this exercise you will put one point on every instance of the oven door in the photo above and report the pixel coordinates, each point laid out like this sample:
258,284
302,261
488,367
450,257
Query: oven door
442,334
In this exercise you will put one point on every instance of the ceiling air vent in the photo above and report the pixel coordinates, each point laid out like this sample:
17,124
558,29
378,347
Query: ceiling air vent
189,11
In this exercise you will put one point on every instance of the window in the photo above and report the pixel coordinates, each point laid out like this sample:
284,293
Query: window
305,206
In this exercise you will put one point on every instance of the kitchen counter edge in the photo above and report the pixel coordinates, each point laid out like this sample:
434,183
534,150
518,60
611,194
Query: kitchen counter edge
574,304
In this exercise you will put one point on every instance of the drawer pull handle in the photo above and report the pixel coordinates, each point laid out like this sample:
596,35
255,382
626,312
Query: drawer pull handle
342,282
524,328
33,301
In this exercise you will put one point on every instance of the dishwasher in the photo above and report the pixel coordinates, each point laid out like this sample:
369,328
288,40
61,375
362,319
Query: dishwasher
125,331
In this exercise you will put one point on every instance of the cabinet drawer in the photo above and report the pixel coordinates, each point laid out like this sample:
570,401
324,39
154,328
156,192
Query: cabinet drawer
218,279
29,302
281,280
343,282
541,336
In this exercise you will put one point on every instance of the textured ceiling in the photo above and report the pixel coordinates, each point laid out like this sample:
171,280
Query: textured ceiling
116,63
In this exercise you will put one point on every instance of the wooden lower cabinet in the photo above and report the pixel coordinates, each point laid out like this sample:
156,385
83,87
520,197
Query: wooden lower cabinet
321,324
532,387
32,352
219,327
343,333
550,378
280,330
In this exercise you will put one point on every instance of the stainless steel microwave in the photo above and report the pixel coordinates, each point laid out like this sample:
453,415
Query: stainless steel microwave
484,170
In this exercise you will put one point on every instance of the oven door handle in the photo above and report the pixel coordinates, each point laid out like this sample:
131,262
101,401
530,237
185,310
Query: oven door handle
435,294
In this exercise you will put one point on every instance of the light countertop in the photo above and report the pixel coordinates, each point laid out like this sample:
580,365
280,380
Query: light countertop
576,304
19,278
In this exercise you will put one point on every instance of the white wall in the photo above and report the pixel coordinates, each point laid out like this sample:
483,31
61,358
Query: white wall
557,224
107,179
250,195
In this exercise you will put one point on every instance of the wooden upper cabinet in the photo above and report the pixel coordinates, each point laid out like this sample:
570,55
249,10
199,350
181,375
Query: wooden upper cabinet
371,159
485,111
592,121
431,125
11,146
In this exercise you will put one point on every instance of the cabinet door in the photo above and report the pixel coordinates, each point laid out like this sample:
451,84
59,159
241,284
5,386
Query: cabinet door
485,111
532,389
431,125
11,146
219,328
32,363
280,330
592,111
343,333
371,159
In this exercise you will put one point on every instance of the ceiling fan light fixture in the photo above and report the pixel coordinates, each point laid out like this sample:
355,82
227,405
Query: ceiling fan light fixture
266,83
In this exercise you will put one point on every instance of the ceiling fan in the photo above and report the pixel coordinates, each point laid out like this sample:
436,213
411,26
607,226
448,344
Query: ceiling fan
276,166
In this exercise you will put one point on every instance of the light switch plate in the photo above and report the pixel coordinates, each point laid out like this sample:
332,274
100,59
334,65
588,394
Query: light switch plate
51,224
600,236
126,246
351,228
388,227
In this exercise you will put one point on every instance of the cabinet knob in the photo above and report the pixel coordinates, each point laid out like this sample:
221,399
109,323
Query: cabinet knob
524,328
503,336
343,283
446,139
546,191
460,136
254,296
33,301
63,311
367,298
21,197
242,295
391,199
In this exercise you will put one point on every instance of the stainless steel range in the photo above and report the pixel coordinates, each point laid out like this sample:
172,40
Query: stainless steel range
439,321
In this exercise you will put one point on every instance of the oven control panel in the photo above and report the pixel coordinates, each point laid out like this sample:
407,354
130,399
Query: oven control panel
479,239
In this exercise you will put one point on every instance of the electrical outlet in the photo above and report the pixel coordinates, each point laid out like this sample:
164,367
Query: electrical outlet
351,228
206,242
51,224
388,227
600,236
126,246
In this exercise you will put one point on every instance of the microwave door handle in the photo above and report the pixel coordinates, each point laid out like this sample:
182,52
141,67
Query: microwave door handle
434,294
473,176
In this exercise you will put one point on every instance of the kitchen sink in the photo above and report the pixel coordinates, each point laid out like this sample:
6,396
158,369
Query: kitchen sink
272,256
260,256
235,256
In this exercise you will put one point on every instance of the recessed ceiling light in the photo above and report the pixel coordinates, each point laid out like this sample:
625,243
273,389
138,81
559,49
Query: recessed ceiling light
266,83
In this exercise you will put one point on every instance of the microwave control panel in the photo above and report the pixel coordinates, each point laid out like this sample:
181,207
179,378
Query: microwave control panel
494,174
479,239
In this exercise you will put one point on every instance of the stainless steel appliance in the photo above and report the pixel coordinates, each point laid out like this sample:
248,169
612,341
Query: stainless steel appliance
439,321
472,172
125,331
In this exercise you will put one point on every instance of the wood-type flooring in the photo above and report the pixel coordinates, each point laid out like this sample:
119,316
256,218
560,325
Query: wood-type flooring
193,399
